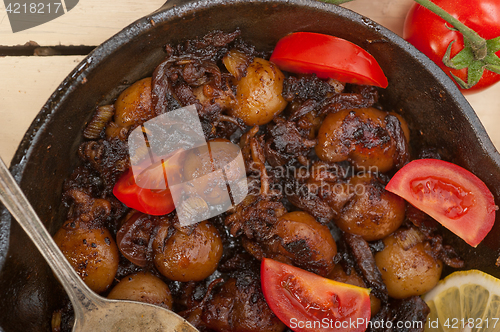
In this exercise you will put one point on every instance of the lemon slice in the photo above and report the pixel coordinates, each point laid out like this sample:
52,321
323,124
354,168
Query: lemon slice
467,301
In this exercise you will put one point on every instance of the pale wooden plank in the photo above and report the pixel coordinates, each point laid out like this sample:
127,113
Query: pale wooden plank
388,13
487,106
26,84
90,23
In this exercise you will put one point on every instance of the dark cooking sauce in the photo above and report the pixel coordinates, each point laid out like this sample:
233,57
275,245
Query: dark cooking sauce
317,153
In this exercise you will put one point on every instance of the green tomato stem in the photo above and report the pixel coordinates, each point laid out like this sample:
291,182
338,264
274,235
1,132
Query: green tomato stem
476,42
336,2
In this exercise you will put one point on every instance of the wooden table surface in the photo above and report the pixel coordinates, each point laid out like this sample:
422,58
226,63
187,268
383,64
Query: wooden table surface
26,82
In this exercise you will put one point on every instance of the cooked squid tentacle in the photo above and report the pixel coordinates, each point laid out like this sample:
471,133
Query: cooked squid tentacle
162,96
102,116
252,148
239,305
86,209
320,191
298,239
110,158
394,126
203,51
255,217
285,142
412,309
365,262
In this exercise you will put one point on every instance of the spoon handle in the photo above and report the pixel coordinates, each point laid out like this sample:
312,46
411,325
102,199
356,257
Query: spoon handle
20,208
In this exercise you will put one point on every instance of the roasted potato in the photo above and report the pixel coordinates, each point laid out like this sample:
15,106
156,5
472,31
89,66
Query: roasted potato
91,251
407,269
187,254
258,93
360,136
142,287
373,212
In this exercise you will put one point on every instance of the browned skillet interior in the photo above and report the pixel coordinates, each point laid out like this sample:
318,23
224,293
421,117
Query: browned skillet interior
438,114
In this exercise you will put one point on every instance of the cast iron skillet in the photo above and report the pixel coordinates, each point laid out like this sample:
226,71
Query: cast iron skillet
438,114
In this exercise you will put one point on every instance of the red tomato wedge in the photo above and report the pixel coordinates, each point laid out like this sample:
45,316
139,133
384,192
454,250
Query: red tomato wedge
452,195
147,191
150,201
327,57
305,301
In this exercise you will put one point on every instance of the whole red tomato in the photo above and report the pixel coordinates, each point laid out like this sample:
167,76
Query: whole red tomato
431,34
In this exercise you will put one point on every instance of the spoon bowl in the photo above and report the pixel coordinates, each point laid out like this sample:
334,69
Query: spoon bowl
92,312
116,315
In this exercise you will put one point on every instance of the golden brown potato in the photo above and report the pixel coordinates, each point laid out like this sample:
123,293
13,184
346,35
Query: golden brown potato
142,287
407,272
359,136
92,253
188,254
329,147
133,107
199,166
374,212
305,242
338,274
258,94
236,63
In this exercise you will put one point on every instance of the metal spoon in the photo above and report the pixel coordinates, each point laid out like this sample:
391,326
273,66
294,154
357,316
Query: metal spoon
92,312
